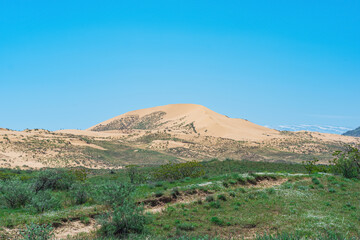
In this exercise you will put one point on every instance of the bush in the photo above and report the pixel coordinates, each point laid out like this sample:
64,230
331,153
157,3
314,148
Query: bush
210,198
114,193
43,201
59,179
215,204
217,221
15,193
37,232
315,181
186,226
312,166
159,194
79,193
347,163
176,171
125,219
221,197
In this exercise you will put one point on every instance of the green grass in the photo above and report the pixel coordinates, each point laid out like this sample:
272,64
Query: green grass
317,206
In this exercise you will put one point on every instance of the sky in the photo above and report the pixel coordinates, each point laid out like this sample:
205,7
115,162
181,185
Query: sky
72,64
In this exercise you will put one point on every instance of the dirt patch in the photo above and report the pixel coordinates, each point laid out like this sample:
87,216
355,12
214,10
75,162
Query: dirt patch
73,228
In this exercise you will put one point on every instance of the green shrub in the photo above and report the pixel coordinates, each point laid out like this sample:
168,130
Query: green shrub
79,193
114,193
232,194
159,194
241,180
37,232
221,197
15,193
175,192
217,221
59,179
315,181
347,162
210,198
176,171
312,166
125,219
251,180
186,226
43,201
215,204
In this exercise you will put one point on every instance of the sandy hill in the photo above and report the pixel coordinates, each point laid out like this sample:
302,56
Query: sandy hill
186,119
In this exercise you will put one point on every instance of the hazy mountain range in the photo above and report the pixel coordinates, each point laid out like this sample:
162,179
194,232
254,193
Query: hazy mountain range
313,128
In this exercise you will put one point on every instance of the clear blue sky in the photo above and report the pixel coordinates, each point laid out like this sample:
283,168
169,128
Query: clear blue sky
72,64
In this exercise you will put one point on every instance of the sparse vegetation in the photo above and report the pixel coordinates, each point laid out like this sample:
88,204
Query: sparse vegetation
191,206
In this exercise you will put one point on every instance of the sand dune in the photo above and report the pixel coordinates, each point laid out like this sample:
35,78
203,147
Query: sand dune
187,118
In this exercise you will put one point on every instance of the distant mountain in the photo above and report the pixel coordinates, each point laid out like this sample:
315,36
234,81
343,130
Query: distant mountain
353,133
313,128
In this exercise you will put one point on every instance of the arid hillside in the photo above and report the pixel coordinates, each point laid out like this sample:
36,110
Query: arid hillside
171,133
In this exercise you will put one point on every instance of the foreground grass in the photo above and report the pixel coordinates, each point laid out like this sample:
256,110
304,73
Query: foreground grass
221,206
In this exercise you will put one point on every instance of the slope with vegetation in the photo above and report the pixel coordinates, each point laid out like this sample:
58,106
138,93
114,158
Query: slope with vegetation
194,200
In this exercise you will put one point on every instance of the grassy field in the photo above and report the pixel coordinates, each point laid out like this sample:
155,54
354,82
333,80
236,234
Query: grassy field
228,200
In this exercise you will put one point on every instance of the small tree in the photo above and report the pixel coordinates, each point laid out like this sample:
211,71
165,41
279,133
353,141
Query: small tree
347,162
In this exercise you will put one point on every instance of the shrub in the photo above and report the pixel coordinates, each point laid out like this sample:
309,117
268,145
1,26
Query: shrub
114,193
210,198
312,166
221,197
232,194
186,226
251,180
175,192
43,201
217,221
159,194
315,181
215,204
241,180
125,219
80,174
133,174
59,179
37,232
347,163
79,193
15,193
176,171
